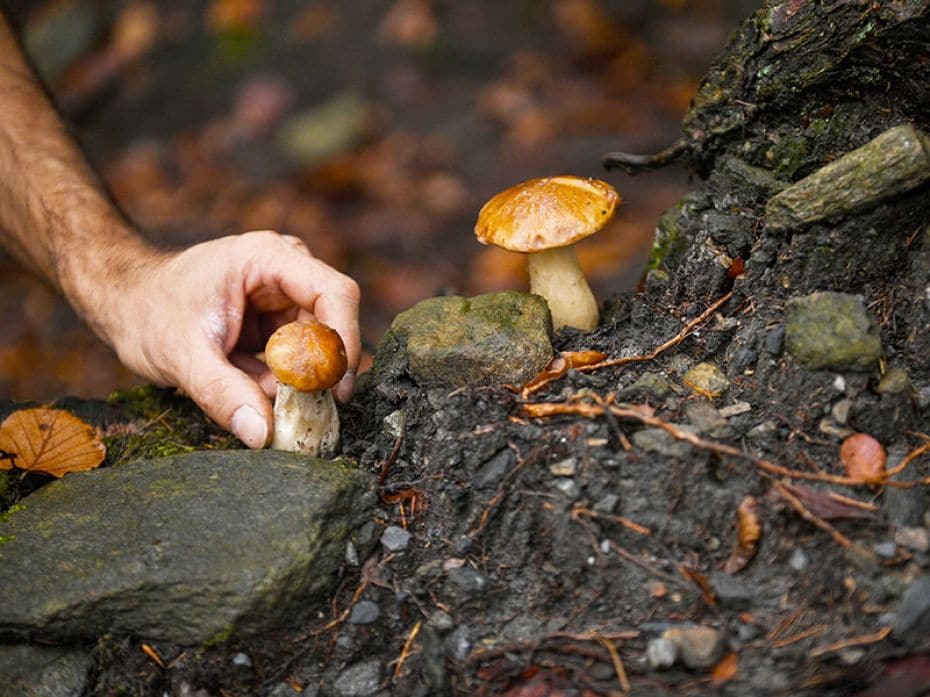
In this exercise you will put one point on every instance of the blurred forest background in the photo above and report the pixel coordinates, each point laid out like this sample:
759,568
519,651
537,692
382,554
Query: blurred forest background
372,129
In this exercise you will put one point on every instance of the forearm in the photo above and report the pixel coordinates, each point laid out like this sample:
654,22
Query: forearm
55,214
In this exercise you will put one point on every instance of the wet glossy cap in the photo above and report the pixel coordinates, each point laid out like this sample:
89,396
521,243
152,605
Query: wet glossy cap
546,213
306,355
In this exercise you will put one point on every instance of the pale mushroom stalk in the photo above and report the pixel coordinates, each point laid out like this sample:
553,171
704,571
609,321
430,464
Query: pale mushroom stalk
305,422
556,276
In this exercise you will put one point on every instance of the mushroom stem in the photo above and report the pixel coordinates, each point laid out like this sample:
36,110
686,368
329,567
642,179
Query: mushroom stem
555,275
305,422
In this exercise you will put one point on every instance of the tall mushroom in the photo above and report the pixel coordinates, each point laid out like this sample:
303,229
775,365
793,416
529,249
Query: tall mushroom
307,358
543,218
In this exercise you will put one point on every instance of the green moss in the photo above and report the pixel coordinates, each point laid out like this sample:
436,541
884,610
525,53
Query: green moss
8,513
668,242
163,424
221,637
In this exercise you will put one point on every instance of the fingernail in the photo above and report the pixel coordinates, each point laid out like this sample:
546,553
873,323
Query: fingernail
249,427
345,386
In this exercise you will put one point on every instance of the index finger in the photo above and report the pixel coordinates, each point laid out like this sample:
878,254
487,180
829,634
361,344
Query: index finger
333,298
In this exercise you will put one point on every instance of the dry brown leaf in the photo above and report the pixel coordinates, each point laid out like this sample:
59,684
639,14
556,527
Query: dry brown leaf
830,505
726,670
864,458
52,441
748,534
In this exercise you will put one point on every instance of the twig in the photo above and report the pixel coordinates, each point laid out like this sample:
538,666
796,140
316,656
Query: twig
800,636
618,664
386,465
634,164
154,656
613,362
579,510
863,640
405,652
536,644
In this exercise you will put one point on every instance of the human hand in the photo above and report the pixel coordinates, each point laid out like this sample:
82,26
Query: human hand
195,320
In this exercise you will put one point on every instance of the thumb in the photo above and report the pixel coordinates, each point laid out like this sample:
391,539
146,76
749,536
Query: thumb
231,398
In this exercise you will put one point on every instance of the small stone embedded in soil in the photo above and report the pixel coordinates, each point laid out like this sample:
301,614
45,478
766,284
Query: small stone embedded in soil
661,653
840,411
774,340
569,487
894,381
744,358
282,689
706,419
607,503
441,621
394,423
655,440
832,330
468,580
364,612
912,620
242,659
564,468
731,592
395,538
498,338
798,560
735,409
494,470
707,379
914,539
359,680
647,385
886,550
699,647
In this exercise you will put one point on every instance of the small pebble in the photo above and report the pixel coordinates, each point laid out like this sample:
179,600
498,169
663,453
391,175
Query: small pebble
564,468
607,503
394,423
395,539
799,560
441,621
351,554
359,680
661,654
840,411
242,659
699,647
364,612
839,383
886,550
735,409
915,539
568,487
774,340
707,379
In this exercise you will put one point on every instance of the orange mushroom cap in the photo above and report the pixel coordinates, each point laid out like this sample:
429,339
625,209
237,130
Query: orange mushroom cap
545,213
306,355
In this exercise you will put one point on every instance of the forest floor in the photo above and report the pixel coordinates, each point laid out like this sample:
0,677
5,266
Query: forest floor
555,550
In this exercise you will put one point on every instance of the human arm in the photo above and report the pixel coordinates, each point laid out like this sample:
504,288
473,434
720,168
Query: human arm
189,318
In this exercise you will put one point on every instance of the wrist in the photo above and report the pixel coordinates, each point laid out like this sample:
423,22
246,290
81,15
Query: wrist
98,266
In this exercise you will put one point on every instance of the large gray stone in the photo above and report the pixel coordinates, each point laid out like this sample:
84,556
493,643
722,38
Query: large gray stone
191,549
43,671
832,330
493,338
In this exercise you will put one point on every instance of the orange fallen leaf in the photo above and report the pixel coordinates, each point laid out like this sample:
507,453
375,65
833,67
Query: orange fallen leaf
726,670
864,458
52,441
561,364
748,534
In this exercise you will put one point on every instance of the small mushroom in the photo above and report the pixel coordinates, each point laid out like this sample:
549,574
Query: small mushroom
307,358
543,218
